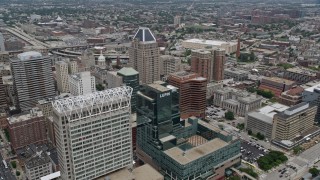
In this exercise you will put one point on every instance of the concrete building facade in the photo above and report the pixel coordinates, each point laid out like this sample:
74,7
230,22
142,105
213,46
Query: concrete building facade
62,76
144,56
293,121
261,120
169,64
192,90
33,79
3,99
27,128
82,83
237,101
93,133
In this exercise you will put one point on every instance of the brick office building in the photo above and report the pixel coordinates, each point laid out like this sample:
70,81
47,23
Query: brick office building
27,128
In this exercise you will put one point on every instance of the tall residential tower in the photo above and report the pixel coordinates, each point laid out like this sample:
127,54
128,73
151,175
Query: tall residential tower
33,79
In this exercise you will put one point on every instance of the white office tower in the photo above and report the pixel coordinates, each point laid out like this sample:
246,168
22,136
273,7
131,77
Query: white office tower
82,83
93,133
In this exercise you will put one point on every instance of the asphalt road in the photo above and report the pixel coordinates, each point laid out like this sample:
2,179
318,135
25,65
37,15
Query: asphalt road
5,173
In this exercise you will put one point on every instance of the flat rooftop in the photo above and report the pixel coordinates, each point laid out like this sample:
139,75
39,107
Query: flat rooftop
279,80
145,172
303,71
266,113
25,116
159,87
210,42
185,157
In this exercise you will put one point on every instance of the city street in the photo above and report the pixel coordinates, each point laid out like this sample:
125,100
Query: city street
5,172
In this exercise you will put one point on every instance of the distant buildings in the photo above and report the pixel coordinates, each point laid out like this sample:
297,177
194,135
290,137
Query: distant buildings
300,75
33,79
276,85
82,83
192,90
182,150
169,64
229,47
93,134
144,56
177,21
27,128
237,101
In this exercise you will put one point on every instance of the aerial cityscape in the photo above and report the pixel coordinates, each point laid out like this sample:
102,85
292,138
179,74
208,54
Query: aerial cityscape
159,90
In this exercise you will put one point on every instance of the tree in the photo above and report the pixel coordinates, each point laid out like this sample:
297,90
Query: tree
6,132
249,132
260,136
229,115
234,178
272,159
99,87
314,171
188,52
249,171
297,149
251,89
14,164
252,56
240,126
17,173
265,93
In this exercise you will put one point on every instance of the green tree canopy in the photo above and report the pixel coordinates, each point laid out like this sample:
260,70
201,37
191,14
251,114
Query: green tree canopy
229,115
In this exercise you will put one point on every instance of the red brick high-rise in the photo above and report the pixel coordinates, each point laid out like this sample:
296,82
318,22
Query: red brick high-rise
218,64
192,90
202,63
27,128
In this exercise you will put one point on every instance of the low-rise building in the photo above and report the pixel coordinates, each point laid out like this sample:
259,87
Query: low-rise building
292,96
237,101
261,120
300,75
236,74
36,160
276,85
229,46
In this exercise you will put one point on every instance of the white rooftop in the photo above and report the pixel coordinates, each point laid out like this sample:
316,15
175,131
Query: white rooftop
29,55
209,42
266,113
